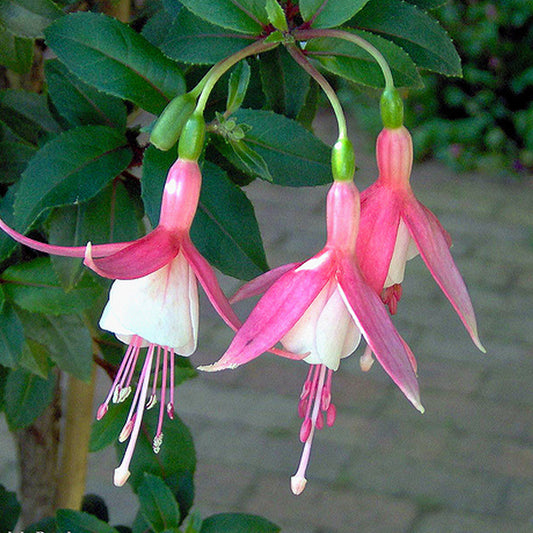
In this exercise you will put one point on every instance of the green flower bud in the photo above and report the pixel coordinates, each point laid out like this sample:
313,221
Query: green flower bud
391,106
343,160
168,126
192,138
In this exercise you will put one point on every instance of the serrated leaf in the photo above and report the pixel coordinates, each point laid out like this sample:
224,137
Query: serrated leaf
123,64
16,53
76,521
26,116
417,33
72,167
9,509
245,16
157,26
14,158
238,523
106,430
34,286
276,15
11,334
35,358
350,61
329,13
285,84
237,86
295,157
157,504
250,161
79,103
175,459
193,40
26,396
28,18
66,338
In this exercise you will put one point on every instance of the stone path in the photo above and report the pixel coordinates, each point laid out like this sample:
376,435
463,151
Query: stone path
465,466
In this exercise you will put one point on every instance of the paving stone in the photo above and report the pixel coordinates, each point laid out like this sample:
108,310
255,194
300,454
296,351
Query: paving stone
330,510
461,523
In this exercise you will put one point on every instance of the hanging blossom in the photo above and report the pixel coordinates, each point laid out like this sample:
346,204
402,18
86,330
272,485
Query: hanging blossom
320,308
153,303
396,227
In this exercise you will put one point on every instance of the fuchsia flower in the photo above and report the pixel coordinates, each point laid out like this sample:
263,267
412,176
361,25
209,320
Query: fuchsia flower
320,308
395,227
154,301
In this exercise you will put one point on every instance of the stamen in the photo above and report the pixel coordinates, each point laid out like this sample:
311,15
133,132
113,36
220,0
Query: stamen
156,444
366,361
163,392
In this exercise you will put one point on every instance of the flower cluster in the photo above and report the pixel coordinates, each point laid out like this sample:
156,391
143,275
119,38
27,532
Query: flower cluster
319,309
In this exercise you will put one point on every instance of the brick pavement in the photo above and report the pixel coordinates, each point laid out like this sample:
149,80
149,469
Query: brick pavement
465,466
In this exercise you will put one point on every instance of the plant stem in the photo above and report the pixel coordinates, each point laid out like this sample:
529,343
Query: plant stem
209,80
300,58
71,485
304,35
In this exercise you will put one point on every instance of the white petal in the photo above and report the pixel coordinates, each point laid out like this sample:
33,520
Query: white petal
162,307
404,249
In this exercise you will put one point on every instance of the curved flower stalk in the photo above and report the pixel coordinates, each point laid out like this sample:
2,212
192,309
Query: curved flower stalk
396,227
154,301
320,308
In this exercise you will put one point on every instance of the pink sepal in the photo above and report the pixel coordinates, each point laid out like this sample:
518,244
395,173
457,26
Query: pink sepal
261,283
277,311
370,315
209,282
378,229
433,244
137,259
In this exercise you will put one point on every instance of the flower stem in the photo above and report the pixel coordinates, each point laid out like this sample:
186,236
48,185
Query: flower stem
304,35
71,483
209,80
300,58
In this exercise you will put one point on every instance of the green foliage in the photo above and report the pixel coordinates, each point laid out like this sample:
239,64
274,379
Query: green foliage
159,508
237,523
9,509
329,13
28,18
68,520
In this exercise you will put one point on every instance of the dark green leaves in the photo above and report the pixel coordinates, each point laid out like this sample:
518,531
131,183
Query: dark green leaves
416,32
9,510
294,156
329,13
26,396
28,18
113,58
72,167
238,523
245,16
193,40
68,520
106,430
11,334
158,506
16,53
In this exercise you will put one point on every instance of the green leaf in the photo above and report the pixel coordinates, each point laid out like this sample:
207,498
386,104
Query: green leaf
26,396
276,15
28,18
72,167
11,334
225,229
14,158
16,53
78,522
350,61
157,504
192,40
237,86
157,26
106,430
329,13
123,64
245,16
417,33
295,157
47,525
80,103
65,337
4,373
26,116
36,359
427,4
9,509
238,523
175,459
35,287
284,82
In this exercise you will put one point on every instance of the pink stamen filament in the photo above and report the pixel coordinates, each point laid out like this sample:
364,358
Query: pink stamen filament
153,397
170,406
158,432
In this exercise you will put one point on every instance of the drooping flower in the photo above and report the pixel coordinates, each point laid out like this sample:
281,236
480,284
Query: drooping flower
396,227
320,308
153,302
